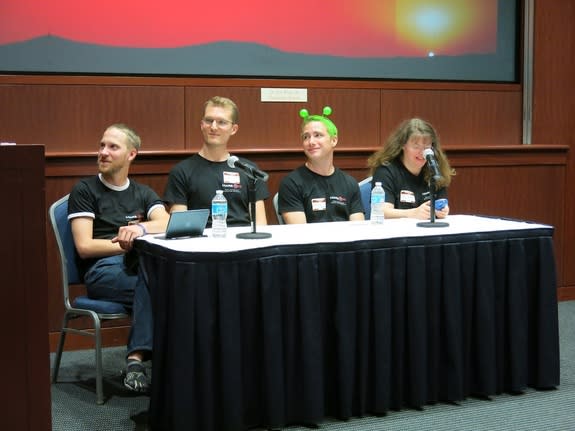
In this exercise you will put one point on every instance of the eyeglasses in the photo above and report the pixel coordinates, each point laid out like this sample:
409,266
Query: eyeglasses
418,147
220,122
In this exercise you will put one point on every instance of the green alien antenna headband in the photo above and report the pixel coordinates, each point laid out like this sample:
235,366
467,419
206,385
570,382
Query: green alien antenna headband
331,129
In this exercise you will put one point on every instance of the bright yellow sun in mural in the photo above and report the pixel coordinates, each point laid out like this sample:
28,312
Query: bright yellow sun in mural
431,25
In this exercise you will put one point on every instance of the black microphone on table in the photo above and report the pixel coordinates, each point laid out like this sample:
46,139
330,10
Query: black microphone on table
430,157
251,171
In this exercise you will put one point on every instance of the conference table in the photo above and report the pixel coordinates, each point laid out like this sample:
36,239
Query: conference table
346,319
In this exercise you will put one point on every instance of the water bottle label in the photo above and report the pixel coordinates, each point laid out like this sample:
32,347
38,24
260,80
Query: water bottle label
219,208
377,199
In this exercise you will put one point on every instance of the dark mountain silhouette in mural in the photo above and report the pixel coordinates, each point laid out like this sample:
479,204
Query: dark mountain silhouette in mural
50,54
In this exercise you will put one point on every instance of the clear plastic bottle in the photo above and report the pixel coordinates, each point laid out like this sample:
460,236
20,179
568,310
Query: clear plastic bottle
219,215
377,202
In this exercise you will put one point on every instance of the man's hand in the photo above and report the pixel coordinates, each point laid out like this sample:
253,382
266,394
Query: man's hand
127,235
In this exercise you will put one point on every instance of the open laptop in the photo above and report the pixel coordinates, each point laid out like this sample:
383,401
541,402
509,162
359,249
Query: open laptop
186,224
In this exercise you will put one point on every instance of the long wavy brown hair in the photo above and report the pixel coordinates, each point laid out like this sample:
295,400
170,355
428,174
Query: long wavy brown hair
393,148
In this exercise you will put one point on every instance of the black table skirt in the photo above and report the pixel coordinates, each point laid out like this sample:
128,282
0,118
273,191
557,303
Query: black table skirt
291,335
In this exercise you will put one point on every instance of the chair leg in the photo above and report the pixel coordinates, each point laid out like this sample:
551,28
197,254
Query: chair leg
99,377
59,349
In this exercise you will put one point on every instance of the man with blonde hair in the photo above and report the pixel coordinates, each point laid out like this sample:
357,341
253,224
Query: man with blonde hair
318,191
193,182
107,212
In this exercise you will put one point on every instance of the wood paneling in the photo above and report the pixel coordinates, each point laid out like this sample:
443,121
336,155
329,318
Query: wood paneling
464,118
480,190
68,114
553,108
72,118
25,394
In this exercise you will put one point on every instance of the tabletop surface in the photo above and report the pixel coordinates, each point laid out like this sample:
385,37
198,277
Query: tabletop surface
337,232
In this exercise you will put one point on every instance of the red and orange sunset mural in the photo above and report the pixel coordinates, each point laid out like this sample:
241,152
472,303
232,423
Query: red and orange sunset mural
358,28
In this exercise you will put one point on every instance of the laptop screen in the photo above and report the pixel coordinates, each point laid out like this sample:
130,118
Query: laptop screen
185,224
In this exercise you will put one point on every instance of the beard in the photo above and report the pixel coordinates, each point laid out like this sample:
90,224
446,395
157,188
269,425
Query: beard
107,167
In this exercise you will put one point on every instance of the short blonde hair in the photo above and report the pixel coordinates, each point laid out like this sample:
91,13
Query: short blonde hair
133,139
224,102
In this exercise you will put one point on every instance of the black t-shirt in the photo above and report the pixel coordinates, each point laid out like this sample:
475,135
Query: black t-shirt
321,198
403,189
193,182
110,207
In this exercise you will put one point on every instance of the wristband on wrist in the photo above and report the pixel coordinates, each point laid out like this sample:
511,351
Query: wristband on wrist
144,230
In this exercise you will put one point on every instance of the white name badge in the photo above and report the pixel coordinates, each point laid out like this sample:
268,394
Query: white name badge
318,204
231,177
406,196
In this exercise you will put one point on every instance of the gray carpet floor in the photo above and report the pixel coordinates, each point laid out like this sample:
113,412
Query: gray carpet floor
74,407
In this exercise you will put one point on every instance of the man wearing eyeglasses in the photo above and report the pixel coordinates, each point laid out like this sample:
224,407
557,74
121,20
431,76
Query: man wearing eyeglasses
193,182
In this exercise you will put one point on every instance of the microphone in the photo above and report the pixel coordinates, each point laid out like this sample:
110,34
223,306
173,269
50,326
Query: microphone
430,157
251,171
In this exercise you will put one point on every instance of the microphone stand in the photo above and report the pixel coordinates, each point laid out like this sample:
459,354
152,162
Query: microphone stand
432,222
252,199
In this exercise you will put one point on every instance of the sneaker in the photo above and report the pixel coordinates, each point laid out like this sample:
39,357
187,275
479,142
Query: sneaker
136,379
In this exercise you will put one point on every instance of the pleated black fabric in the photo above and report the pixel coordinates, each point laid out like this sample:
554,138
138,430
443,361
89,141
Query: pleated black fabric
291,335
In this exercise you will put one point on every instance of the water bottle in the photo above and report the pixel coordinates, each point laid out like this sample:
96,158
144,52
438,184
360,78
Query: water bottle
377,201
219,215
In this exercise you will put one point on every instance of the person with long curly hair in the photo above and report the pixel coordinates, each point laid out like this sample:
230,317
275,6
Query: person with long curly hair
404,172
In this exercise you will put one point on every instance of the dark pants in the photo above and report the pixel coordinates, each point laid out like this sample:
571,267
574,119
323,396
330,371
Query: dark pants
110,280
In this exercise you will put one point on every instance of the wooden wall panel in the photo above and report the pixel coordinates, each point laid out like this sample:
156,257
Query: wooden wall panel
270,126
25,395
510,191
72,118
553,110
467,118
553,72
